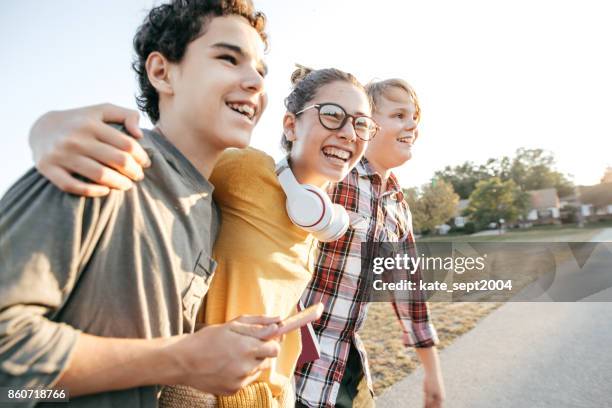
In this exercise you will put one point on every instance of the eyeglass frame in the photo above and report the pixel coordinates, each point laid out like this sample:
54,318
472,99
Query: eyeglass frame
318,106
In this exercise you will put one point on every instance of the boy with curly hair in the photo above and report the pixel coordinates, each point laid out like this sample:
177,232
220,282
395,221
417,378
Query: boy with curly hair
100,295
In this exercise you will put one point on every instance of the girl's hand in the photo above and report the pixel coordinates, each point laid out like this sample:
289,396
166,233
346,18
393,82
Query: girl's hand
79,142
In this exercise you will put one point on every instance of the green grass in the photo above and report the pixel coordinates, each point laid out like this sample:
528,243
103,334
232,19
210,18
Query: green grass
548,233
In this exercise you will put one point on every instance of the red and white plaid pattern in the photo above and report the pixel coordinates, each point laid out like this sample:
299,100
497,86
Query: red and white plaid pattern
340,285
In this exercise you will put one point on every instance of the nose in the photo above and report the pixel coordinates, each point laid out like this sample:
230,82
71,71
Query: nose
411,124
253,81
347,131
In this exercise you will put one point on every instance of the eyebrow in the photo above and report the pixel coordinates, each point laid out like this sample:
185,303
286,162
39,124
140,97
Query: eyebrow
241,52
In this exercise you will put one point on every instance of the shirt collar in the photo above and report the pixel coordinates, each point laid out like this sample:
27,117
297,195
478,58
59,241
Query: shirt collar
179,162
365,169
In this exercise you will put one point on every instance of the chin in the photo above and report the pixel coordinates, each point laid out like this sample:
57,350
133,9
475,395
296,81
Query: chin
239,141
397,161
335,176
402,157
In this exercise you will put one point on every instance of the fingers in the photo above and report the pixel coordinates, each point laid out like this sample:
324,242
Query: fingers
65,182
269,349
254,373
250,319
250,379
97,172
111,136
265,364
258,331
115,114
112,157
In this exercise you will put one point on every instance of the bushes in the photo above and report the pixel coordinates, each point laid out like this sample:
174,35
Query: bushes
469,227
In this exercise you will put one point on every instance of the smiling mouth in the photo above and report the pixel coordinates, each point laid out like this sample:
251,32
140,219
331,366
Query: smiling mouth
407,139
337,155
244,109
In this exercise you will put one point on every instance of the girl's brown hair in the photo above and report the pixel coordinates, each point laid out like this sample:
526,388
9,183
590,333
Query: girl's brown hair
306,82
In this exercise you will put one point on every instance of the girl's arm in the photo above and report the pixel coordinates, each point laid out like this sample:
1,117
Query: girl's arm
79,142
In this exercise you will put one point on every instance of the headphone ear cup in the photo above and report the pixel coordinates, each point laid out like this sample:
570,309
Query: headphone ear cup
337,227
326,211
305,209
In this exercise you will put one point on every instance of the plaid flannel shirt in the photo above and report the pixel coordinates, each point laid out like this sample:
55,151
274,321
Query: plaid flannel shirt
338,283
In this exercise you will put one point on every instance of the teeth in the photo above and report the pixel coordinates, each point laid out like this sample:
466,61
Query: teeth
404,139
339,153
246,110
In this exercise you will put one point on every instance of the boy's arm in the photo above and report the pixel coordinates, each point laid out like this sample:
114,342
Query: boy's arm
218,359
79,141
413,312
433,385
41,231
45,236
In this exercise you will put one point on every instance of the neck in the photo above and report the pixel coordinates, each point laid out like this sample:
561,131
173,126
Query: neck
192,144
383,172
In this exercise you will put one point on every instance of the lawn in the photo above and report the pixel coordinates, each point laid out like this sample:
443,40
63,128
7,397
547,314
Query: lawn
549,233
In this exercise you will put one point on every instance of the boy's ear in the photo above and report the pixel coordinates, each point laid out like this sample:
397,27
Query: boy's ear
158,72
289,126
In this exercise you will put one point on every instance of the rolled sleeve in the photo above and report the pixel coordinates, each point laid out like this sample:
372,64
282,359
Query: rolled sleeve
34,351
414,319
413,313
45,236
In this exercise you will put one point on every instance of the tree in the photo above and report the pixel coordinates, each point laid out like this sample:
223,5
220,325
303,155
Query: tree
463,178
432,205
494,199
531,169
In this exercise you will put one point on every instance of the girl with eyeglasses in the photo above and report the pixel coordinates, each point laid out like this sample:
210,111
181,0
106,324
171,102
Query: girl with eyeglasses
264,259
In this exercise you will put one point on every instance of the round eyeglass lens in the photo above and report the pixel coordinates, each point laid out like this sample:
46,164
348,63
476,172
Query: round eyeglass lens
331,116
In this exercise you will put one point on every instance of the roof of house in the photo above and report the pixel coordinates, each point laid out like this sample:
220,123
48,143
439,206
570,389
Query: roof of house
598,195
545,198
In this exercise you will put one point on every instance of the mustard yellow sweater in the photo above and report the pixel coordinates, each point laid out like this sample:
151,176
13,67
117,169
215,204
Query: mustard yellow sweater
263,260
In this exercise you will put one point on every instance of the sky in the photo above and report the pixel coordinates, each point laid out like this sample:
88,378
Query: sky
491,76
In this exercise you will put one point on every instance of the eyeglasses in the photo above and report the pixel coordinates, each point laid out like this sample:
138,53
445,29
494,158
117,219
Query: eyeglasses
334,117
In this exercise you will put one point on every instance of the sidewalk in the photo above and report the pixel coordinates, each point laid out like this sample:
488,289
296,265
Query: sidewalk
525,355
604,236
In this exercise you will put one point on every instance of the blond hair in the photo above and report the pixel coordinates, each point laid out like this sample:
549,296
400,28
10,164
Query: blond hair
378,89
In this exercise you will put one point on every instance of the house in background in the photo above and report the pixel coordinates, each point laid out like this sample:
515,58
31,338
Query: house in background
596,201
545,207
592,203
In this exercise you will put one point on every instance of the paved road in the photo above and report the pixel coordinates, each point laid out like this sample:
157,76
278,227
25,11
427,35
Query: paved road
526,355
603,236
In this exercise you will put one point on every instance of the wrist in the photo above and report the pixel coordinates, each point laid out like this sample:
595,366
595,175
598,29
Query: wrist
170,367
38,127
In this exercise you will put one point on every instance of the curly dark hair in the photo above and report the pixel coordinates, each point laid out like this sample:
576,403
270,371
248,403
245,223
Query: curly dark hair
169,28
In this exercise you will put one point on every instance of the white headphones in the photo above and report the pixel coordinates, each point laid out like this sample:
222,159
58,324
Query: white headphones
310,208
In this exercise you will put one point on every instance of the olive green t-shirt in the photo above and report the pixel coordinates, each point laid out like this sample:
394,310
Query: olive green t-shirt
134,264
